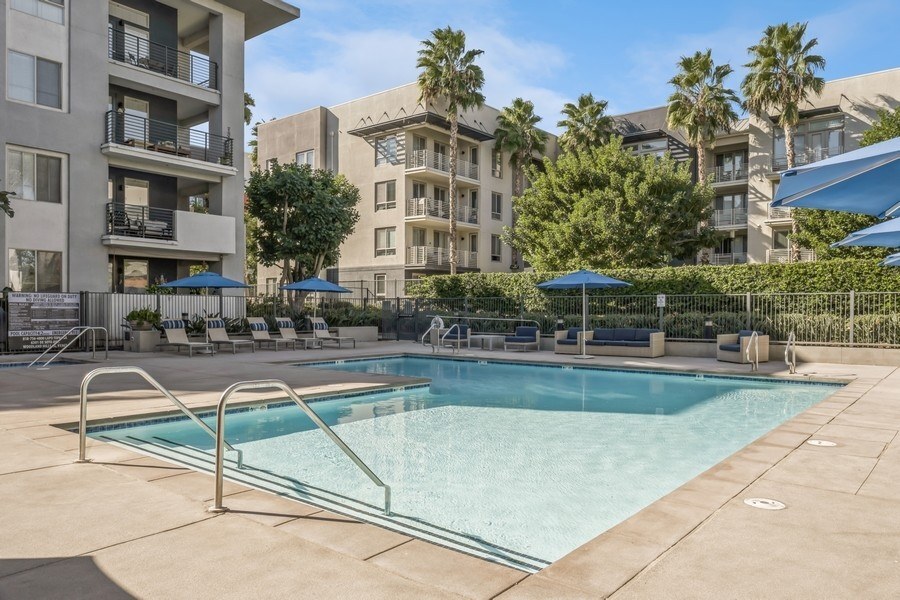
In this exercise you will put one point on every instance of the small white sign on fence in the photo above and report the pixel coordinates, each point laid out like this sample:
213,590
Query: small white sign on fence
660,301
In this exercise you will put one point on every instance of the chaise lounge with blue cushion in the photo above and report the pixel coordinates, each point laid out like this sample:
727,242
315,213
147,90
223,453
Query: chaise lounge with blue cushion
732,347
625,341
525,337
456,336
177,336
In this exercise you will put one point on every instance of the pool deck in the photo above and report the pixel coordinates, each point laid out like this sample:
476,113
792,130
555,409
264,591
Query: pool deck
129,526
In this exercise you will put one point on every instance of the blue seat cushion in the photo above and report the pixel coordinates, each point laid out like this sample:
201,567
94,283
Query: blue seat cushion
520,339
173,324
603,333
617,342
216,324
745,333
567,342
730,347
643,335
259,327
526,331
596,342
573,333
284,324
624,334
640,344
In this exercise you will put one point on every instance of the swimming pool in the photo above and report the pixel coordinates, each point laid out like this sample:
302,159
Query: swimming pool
520,463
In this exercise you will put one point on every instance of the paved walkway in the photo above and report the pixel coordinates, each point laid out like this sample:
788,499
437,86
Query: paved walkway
131,526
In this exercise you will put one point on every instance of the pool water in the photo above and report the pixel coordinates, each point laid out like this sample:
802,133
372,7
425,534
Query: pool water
520,460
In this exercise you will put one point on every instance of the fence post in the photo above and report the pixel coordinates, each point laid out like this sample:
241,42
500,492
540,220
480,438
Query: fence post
662,318
852,315
397,326
749,311
521,306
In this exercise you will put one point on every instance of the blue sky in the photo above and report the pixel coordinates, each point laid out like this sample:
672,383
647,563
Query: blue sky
546,52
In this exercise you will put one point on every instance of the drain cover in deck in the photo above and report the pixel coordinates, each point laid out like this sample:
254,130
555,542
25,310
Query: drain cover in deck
764,503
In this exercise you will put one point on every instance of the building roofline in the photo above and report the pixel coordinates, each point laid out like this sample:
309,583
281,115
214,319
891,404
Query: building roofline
862,75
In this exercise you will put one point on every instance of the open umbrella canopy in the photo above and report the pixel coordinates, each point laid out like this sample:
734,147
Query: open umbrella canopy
886,234
207,279
582,279
892,261
862,181
314,284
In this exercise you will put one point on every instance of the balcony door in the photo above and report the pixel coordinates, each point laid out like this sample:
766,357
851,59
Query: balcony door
419,237
137,121
137,192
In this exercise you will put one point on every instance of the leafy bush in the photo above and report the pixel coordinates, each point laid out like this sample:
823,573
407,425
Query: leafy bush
144,318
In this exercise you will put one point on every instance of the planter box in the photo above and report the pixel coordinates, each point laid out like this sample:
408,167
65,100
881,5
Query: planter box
144,341
360,334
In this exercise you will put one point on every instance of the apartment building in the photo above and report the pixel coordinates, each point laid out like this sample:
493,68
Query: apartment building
744,165
396,151
119,124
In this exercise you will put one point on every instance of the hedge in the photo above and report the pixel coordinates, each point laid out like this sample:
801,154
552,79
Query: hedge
823,276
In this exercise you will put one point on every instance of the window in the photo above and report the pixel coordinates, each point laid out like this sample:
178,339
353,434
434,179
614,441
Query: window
655,147
780,240
813,141
473,155
731,202
418,237
386,241
420,190
137,192
496,249
473,243
271,162
380,285
731,166
35,271
34,80
34,176
50,10
386,150
385,195
271,283
496,206
307,157
199,204
497,163
135,276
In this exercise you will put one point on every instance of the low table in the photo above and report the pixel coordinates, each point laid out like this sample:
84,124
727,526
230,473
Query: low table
490,338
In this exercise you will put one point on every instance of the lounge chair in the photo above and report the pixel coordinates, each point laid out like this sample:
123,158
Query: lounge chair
456,336
320,331
288,331
525,337
260,332
732,347
215,328
568,341
177,336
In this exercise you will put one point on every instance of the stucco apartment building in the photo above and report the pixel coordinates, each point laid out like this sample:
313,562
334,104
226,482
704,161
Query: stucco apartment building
120,122
396,151
744,165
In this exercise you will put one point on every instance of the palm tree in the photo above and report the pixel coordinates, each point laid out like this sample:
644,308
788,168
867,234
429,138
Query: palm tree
586,124
5,206
449,73
782,74
701,105
517,133
248,113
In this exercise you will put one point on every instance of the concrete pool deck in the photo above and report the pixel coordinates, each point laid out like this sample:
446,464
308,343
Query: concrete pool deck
130,526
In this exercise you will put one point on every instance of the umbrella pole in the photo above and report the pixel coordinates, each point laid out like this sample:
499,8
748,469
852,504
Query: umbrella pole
584,310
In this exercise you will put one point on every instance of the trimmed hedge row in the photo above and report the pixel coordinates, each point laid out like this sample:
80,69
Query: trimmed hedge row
824,276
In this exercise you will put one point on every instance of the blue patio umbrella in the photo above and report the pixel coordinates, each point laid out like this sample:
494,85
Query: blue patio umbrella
885,234
583,280
892,261
206,280
862,181
315,284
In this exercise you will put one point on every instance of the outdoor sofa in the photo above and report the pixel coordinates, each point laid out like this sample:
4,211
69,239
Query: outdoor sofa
568,341
625,341
525,337
732,347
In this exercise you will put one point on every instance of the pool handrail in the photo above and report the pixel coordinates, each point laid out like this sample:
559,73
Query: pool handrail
81,329
82,419
477,318
753,344
790,353
299,401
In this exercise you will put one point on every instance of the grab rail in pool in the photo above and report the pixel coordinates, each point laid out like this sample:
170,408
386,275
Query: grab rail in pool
82,421
437,323
753,345
790,353
81,331
284,387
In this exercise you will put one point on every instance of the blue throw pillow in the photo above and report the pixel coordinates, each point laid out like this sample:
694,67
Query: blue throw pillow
285,324
259,327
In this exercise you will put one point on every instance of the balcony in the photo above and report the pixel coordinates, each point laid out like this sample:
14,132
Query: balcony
786,255
722,176
729,258
426,161
439,258
135,142
732,217
186,67
429,209
805,156
779,214
164,233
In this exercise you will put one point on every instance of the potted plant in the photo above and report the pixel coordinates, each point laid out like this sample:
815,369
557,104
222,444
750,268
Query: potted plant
144,324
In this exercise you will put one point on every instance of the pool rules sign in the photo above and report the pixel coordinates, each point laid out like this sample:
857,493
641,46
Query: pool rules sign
37,320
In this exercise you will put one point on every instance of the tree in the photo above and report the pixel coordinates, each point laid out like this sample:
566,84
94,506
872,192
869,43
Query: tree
248,102
5,206
517,133
819,228
607,207
701,105
302,217
586,124
448,72
782,75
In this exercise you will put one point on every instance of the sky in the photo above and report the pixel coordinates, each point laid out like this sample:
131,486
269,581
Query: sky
548,52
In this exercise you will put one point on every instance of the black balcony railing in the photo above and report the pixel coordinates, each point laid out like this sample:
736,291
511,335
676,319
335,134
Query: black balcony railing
139,221
185,66
158,136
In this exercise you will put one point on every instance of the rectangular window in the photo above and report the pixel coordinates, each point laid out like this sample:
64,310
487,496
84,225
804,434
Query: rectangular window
473,155
385,195
496,249
386,241
135,274
199,204
271,286
419,236
34,80
386,150
497,163
420,190
380,285
49,10
496,206
35,271
307,157
270,163
473,243
137,192
34,176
